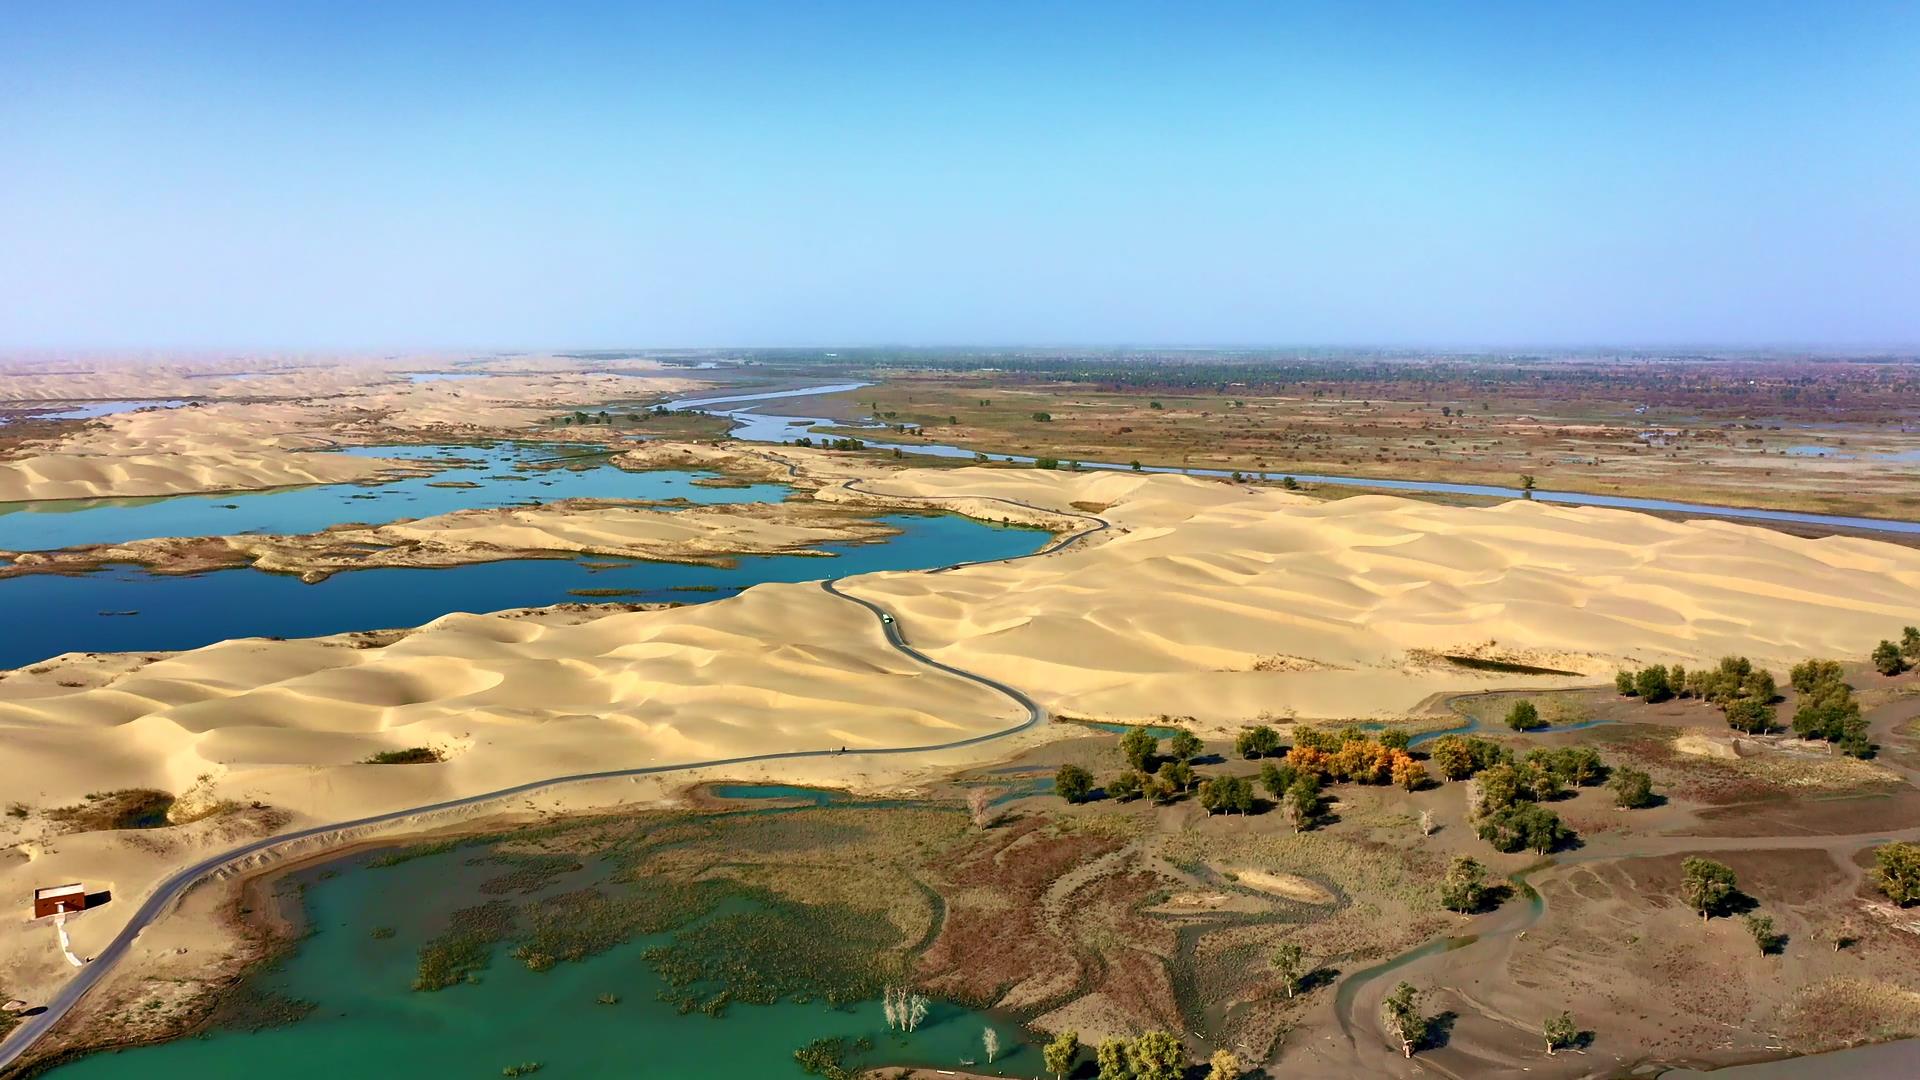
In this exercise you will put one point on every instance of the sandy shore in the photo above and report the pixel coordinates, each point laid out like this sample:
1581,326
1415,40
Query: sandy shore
712,535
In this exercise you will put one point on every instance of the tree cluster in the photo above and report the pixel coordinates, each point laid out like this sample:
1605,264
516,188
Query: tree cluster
1744,692
1897,872
1828,709
1891,659
1155,1055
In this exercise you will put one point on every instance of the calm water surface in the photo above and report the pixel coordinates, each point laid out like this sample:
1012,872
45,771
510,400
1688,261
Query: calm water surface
507,474
90,612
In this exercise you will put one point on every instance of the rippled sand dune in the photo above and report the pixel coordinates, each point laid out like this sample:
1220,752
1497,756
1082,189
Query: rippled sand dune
1223,602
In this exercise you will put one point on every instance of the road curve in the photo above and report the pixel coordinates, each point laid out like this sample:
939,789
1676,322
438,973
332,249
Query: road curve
176,885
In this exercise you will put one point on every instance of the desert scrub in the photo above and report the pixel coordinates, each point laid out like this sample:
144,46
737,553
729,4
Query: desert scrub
128,808
465,947
413,755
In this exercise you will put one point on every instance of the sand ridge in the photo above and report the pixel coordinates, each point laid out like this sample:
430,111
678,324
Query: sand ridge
1173,611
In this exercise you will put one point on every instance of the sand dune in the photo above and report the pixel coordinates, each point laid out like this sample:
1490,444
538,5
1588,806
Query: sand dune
1174,611
236,445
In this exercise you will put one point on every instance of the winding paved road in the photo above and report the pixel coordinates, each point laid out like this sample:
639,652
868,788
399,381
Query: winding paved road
176,885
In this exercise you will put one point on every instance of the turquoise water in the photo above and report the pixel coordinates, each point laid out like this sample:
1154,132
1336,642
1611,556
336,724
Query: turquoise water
124,608
507,475
369,1022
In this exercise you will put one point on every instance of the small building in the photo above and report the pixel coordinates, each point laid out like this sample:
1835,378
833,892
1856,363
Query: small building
56,899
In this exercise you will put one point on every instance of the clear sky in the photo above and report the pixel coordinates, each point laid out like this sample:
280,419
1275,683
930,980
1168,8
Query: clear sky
468,174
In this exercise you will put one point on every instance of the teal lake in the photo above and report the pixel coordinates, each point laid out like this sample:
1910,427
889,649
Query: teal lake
368,1021
507,474
124,608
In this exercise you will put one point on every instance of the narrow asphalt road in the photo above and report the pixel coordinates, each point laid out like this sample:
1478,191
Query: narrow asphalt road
174,886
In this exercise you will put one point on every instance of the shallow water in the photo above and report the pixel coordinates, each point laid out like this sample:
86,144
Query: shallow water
369,1022
80,613
504,472
755,426
89,411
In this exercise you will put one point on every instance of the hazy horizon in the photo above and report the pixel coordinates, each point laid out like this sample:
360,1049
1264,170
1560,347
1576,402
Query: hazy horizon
1494,177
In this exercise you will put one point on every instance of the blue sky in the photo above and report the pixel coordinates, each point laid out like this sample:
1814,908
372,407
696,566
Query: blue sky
468,174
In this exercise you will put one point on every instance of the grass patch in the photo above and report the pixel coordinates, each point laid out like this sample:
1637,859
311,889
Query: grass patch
128,808
466,947
413,755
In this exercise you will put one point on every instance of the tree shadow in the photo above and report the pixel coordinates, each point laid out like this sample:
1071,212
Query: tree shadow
1439,1030
1492,896
1324,975
1737,904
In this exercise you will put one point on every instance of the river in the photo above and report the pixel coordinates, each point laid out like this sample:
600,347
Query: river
755,426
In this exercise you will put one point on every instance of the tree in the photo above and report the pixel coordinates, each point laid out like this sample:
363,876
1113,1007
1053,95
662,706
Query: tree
1910,643
1177,775
1464,889
1124,787
1395,739
1809,675
1408,773
1887,659
1157,1056
1897,872
1651,684
1240,795
1623,684
1524,826
1750,715
1577,766
1257,741
1138,746
990,1041
1112,1059
1499,789
1560,1032
1706,885
1287,958
1214,794
1277,778
1632,789
1184,745
1401,1014
1524,717
1223,1066
1059,1054
1157,789
1303,803
1764,935
1073,783
1453,757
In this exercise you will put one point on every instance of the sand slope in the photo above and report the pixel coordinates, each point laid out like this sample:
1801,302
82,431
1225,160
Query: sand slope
1201,585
